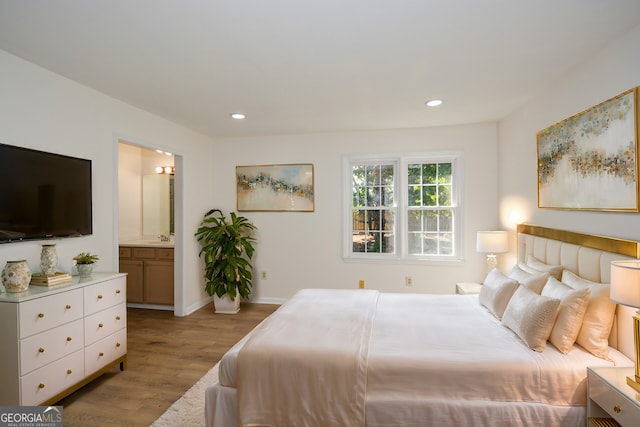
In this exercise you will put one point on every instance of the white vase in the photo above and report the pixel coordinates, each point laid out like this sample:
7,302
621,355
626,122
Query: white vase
85,270
49,259
225,305
16,276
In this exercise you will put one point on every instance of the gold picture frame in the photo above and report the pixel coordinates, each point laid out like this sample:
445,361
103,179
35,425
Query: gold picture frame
590,161
275,188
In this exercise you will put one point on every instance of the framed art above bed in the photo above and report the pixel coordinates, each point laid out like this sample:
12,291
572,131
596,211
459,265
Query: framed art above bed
590,161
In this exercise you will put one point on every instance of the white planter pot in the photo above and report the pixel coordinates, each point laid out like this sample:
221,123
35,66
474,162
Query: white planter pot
224,305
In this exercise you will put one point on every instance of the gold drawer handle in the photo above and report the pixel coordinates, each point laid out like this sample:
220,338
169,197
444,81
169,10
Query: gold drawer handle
40,385
101,354
99,296
117,291
41,315
100,325
41,350
68,307
68,371
117,317
617,409
117,344
68,339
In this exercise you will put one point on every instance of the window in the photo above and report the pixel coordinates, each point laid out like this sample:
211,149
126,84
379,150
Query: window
402,207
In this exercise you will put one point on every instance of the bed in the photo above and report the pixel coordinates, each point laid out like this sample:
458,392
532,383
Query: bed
516,354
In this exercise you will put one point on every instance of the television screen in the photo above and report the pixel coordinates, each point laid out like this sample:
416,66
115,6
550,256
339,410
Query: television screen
43,195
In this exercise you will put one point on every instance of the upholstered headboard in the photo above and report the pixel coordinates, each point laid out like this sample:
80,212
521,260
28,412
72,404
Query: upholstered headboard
588,256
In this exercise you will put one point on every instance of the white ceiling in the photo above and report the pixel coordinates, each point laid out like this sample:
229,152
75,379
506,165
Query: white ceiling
301,66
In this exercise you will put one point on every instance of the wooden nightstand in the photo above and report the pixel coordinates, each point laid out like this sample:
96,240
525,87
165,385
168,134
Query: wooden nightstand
467,288
609,397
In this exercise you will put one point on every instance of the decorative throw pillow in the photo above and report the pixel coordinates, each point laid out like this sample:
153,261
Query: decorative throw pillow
496,292
533,281
598,319
531,317
539,266
573,305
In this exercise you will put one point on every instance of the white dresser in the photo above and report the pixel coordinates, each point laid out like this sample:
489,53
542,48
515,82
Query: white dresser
57,339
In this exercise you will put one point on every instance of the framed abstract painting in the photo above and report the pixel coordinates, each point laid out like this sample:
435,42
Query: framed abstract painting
280,188
590,161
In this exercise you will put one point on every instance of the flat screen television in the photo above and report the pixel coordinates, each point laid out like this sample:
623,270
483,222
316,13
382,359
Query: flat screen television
43,195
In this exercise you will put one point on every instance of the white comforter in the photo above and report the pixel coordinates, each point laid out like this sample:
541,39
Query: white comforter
429,357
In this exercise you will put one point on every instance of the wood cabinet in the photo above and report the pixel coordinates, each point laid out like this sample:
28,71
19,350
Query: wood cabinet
149,274
56,339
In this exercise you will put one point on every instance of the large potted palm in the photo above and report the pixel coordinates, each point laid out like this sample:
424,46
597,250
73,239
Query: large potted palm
227,249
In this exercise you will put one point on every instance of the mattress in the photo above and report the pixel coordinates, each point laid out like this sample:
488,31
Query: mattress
444,355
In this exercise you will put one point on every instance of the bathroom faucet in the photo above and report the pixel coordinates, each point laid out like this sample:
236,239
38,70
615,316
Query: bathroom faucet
164,238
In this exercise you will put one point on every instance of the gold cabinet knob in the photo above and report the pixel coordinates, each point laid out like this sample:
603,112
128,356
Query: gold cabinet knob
100,325
41,350
117,344
117,317
68,339
99,296
68,371
41,315
617,409
101,354
117,291
68,307
40,385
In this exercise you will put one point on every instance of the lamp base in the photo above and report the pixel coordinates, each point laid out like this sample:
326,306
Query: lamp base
492,261
634,383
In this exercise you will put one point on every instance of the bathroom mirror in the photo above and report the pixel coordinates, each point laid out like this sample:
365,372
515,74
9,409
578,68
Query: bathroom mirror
157,205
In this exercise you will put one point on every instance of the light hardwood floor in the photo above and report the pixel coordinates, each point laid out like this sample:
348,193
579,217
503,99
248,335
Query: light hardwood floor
166,356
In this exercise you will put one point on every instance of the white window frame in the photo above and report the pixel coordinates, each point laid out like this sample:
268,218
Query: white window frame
401,162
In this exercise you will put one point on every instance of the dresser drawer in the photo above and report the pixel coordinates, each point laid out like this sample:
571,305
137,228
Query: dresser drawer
104,295
105,351
617,405
45,347
46,382
104,323
40,314
165,253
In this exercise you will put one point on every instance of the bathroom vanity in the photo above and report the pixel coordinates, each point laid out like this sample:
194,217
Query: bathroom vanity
149,267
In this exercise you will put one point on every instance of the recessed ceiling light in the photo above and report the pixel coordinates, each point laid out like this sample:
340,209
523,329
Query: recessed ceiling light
434,102
238,116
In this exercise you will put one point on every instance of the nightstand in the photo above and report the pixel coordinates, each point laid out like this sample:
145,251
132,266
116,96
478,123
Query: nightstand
609,397
467,288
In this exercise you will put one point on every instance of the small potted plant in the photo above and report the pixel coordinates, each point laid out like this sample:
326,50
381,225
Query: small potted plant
227,248
85,262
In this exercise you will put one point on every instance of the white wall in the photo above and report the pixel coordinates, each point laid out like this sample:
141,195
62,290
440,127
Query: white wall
299,250
611,72
41,110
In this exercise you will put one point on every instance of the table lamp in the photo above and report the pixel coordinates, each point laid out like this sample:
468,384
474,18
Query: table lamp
625,289
491,243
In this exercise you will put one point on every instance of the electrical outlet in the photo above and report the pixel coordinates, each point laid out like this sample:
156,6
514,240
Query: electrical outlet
408,281
361,284
263,275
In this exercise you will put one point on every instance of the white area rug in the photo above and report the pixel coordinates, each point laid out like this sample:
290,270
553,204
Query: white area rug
188,411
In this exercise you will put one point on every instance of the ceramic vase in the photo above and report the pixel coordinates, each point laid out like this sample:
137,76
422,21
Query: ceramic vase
84,270
225,305
16,276
49,259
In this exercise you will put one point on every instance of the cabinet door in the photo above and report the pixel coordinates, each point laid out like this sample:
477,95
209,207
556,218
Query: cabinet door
158,282
135,289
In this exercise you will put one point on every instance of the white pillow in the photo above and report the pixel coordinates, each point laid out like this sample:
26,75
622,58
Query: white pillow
533,281
598,319
531,317
496,291
538,266
573,305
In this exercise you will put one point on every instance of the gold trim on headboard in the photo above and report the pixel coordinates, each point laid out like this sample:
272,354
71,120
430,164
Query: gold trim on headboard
609,244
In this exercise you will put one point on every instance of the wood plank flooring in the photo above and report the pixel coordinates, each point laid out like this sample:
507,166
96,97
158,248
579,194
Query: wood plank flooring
166,356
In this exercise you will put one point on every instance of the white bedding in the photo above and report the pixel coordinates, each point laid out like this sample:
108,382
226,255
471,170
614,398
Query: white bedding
441,358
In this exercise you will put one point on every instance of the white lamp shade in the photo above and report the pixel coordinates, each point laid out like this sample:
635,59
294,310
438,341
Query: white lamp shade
625,282
492,242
